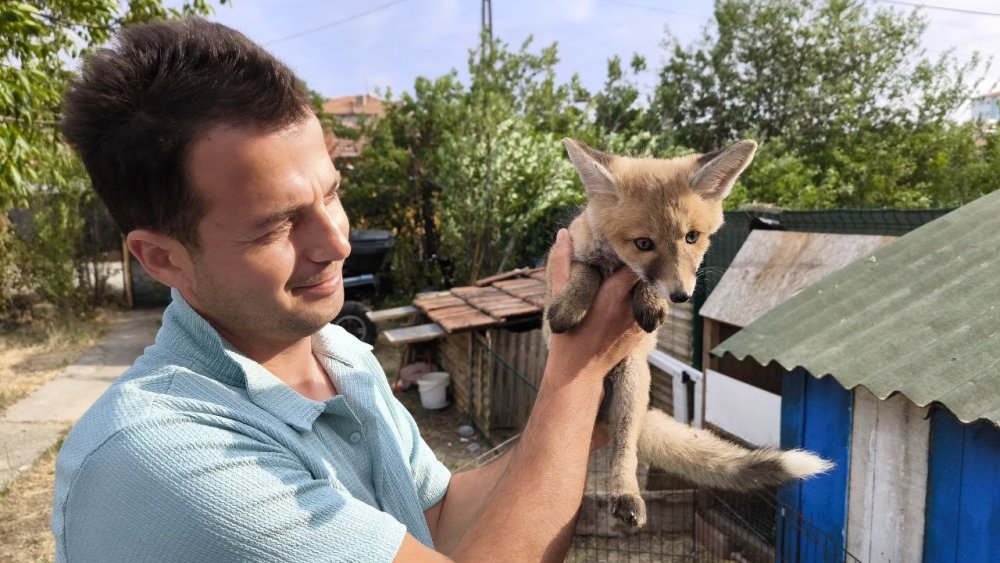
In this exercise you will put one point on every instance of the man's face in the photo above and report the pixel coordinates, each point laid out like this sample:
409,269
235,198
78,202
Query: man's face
273,242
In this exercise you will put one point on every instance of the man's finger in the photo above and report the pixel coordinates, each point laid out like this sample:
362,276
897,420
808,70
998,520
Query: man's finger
560,259
620,283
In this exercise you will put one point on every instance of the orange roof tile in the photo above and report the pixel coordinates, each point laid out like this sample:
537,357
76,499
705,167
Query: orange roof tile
364,104
491,301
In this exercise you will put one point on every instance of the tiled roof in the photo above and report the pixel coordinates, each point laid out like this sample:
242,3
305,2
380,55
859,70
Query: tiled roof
343,148
364,104
492,301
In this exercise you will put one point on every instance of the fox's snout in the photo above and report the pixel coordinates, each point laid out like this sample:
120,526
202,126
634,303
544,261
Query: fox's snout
679,297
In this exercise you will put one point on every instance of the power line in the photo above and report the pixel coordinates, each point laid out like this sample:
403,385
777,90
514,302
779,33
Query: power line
941,8
651,8
334,23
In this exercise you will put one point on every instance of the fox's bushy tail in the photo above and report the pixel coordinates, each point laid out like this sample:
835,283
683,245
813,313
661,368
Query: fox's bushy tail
706,459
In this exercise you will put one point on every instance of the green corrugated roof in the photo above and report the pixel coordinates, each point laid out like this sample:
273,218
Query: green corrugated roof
920,317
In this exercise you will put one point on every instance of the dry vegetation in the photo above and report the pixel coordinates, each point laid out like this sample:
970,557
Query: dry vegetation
31,354
25,510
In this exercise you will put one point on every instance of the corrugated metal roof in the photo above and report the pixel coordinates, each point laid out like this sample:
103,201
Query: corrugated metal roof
920,317
773,266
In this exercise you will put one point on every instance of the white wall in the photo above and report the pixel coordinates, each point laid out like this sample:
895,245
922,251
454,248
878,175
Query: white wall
743,410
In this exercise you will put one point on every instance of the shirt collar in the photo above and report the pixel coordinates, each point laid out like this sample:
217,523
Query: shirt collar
192,342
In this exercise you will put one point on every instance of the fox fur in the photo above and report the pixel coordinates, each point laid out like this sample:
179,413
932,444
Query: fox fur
655,216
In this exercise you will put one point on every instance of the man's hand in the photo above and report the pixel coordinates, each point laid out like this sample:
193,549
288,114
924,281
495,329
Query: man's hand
533,493
608,332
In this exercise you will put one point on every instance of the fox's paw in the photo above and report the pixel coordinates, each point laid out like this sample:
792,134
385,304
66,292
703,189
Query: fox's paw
563,317
650,319
629,508
649,309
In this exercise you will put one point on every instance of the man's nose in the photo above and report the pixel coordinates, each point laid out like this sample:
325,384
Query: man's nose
329,242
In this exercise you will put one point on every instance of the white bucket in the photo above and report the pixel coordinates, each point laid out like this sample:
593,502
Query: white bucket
432,390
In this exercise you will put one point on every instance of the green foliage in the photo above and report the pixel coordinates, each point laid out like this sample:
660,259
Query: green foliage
499,188
849,110
808,70
37,172
934,165
503,169
394,186
470,177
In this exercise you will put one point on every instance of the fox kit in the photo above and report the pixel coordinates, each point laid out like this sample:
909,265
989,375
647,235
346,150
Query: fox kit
655,216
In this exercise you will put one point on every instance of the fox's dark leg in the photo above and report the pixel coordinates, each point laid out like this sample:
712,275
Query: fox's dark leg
649,308
569,307
625,416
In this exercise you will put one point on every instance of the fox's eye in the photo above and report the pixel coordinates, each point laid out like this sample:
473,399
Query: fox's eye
692,237
644,244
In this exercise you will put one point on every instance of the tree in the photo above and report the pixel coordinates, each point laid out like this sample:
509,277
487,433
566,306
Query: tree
37,171
470,177
840,94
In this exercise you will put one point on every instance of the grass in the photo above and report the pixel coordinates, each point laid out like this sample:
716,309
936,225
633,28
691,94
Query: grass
33,353
25,511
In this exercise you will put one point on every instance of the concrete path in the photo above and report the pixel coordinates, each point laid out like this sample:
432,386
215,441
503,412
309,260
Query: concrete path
35,423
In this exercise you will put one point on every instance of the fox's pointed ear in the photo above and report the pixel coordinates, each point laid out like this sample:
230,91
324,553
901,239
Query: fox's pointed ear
592,166
719,170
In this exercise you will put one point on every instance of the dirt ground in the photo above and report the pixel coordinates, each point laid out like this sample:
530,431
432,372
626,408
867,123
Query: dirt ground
30,356
439,428
25,511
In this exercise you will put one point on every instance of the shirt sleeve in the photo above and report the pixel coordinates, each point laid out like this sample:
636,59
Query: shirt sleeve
187,490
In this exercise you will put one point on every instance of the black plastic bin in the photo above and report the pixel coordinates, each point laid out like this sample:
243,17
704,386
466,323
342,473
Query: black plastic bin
369,249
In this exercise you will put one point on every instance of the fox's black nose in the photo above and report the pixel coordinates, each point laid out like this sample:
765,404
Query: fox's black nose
680,297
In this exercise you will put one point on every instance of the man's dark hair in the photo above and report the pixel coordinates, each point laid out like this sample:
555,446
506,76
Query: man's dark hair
140,103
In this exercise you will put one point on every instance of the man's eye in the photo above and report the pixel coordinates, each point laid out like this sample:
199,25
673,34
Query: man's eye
644,244
276,233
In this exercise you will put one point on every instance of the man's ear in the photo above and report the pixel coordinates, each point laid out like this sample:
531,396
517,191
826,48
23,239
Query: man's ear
719,170
592,166
164,258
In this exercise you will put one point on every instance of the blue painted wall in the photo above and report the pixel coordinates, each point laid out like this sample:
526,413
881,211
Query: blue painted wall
963,492
816,414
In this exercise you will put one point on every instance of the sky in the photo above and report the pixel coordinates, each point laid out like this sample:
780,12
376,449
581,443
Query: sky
341,47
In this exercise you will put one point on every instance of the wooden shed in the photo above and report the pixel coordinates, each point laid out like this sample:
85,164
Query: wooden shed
489,340
743,399
891,369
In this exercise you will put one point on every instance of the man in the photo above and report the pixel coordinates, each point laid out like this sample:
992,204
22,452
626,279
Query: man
253,430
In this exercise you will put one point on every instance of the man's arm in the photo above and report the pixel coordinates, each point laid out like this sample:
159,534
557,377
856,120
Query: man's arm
533,492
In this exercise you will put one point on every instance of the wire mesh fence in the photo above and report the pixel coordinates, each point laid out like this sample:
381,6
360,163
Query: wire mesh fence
687,523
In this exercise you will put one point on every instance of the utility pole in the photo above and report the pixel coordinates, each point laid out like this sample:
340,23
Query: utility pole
487,17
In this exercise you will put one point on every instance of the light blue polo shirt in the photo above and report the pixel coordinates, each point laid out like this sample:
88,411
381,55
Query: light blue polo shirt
198,453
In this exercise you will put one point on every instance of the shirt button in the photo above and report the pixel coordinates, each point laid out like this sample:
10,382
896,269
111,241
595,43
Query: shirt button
355,437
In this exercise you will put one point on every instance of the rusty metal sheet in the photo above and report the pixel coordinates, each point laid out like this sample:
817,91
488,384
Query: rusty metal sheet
773,266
